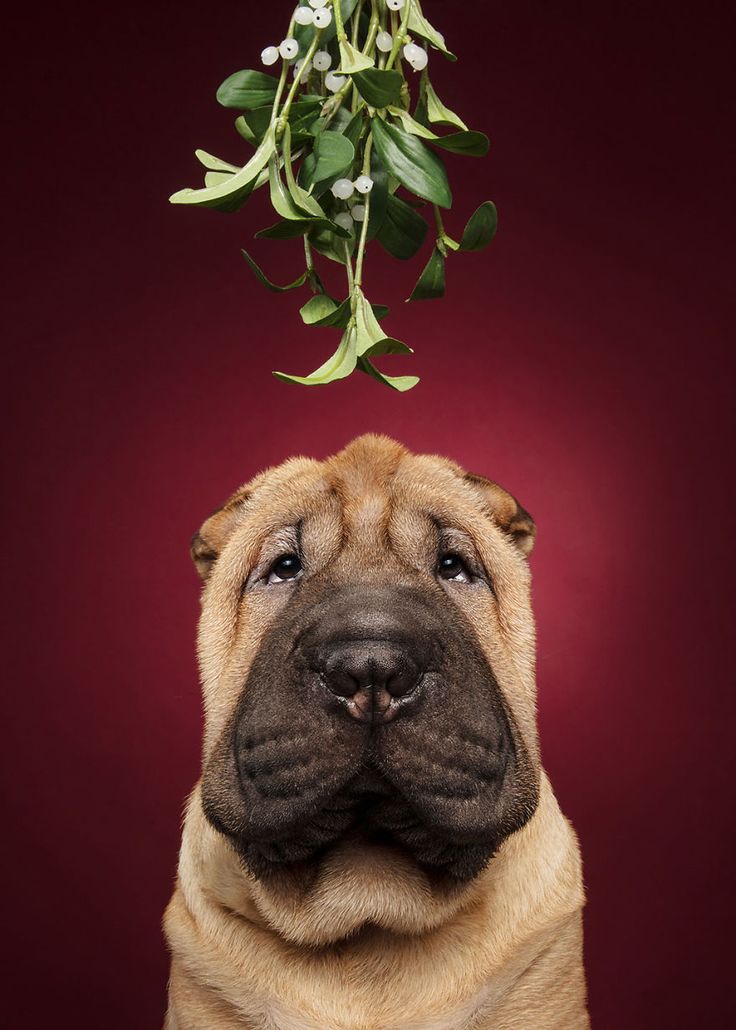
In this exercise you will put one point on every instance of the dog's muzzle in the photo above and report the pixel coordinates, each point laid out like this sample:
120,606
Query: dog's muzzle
369,662
370,710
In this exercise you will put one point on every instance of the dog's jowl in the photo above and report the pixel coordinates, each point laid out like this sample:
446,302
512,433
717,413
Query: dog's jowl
373,844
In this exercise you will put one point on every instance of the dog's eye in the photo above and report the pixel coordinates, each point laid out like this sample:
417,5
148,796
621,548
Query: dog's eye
451,566
287,567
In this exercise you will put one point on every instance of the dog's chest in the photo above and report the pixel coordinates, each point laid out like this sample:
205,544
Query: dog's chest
460,1018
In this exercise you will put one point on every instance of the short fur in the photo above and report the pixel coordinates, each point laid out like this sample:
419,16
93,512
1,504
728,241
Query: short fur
335,876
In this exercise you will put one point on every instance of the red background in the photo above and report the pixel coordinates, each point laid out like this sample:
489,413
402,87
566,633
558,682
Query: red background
581,360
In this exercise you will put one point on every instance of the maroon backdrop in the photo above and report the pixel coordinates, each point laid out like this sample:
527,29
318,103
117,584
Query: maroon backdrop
581,360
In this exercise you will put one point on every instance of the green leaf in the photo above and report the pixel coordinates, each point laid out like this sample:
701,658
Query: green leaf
351,60
341,118
409,160
219,171
318,307
420,111
230,195
292,227
400,383
376,311
332,247
305,127
352,129
438,114
267,282
419,26
379,88
333,155
301,115
369,331
247,89
281,199
411,125
471,144
371,337
215,164
303,200
245,130
332,146
379,197
387,345
337,318
403,230
216,178
340,314
431,282
340,365
481,227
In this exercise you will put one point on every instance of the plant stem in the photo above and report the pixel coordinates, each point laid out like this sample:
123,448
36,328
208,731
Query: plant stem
441,236
282,78
443,240
369,49
356,21
296,84
348,266
364,228
314,280
399,35
382,27
373,27
333,104
339,27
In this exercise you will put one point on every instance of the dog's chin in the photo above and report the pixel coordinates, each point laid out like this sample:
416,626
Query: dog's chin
371,814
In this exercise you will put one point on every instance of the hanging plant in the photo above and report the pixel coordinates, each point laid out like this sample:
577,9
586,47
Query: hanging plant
336,147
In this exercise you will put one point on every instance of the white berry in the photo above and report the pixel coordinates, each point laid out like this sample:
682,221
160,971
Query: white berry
342,189
344,221
289,48
334,82
303,16
270,55
358,212
302,70
416,56
384,42
393,5
363,184
322,18
318,4
322,61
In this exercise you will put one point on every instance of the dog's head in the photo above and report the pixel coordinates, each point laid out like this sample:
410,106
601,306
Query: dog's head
367,653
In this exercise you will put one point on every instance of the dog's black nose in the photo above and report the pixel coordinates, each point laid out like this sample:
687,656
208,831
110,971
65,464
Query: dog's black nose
372,648
373,679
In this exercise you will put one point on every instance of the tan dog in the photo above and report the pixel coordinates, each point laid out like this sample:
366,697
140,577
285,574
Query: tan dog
373,844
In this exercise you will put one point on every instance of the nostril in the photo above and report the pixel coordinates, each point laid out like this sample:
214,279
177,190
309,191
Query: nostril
350,667
340,682
403,683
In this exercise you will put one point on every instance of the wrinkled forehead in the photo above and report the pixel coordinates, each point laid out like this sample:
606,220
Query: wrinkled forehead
394,502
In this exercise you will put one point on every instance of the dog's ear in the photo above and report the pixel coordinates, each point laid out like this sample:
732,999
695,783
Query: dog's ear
208,543
506,511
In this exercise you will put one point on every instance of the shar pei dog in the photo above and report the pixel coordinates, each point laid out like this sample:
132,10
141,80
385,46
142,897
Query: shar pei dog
373,844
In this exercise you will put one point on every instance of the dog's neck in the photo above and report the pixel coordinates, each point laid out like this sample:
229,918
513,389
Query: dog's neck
358,886
518,924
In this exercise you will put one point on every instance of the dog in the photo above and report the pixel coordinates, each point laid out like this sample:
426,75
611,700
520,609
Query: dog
373,844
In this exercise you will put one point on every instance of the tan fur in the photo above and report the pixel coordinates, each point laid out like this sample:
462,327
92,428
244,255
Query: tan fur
369,944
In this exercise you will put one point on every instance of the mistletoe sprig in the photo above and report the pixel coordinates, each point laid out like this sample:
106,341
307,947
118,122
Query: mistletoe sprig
335,146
